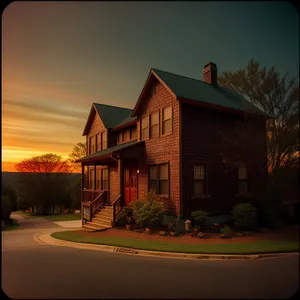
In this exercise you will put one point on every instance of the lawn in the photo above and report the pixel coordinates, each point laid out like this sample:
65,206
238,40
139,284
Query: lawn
234,248
14,225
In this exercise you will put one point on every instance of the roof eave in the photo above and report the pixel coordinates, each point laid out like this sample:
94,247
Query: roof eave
124,125
217,107
89,120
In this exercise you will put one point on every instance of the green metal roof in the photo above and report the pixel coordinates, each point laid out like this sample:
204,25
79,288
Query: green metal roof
109,150
128,119
193,89
112,115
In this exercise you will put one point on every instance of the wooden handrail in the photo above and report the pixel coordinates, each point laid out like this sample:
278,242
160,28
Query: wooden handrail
90,207
116,208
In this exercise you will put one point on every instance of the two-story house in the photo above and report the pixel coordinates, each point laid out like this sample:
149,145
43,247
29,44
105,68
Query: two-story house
169,142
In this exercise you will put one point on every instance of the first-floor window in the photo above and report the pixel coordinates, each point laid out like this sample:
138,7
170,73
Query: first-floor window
98,177
159,179
91,178
85,177
105,179
153,178
199,180
242,179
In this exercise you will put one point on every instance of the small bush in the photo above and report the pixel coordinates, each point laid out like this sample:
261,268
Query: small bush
200,217
122,217
149,211
245,216
226,230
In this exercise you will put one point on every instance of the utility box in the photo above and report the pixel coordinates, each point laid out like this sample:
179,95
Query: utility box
188,226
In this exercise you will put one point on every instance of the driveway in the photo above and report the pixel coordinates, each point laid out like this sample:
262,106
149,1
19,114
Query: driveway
34,270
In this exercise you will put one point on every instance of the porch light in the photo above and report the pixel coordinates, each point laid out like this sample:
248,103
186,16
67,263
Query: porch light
138,171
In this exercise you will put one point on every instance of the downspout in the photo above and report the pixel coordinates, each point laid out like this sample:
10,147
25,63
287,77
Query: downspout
180,159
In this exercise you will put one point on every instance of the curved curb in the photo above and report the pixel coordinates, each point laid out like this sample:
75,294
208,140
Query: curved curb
48,239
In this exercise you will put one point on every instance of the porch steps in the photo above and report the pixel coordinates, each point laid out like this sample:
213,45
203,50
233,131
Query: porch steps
101,221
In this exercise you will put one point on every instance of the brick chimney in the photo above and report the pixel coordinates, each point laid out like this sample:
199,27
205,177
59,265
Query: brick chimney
210,73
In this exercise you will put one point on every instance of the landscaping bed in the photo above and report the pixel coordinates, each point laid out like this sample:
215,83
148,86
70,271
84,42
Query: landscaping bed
266,242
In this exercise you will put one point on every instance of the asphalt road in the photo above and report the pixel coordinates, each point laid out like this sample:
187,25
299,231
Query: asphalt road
34,270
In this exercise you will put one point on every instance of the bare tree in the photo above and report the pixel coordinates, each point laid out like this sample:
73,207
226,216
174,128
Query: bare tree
278,97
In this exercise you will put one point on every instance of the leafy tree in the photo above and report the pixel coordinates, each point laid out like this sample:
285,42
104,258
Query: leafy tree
10,192
278,97
45,183
79,151
6,208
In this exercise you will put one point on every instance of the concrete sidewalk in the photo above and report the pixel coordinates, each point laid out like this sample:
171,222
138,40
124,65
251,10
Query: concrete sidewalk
70,224
48,239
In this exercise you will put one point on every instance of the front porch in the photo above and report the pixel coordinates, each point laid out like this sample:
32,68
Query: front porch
109,184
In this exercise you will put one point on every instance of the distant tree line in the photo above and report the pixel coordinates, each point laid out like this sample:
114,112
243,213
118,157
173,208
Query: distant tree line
45,184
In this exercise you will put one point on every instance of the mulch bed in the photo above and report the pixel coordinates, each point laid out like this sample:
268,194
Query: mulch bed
212,238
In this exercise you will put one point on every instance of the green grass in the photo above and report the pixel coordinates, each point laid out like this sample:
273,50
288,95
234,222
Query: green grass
65,217
14,225
234,248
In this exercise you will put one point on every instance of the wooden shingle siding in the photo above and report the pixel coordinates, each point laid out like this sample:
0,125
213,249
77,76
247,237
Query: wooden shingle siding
202,144
162,149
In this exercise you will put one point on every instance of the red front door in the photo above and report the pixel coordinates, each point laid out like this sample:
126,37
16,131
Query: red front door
130,184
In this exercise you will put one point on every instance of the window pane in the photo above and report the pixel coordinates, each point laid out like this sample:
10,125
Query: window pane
91,178
199,172
166,128
242,172
154,118
199,188
153,185
153,172
103,139
98,177
163,172
127,135
155,130
167,113
145,122
133,133
163,187
144,133
242,187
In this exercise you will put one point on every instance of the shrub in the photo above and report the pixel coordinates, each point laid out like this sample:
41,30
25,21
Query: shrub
245,216
226,230
122,217
200,217
149,211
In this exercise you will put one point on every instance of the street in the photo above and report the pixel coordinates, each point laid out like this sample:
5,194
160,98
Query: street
34,270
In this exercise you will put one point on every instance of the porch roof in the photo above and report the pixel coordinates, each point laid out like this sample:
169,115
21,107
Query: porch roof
100,155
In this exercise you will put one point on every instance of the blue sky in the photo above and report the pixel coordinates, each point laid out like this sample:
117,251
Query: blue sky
59,57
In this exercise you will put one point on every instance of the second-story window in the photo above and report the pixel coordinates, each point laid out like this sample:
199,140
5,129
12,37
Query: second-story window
120,137
167,120
98,145
103,140
154,124
127,135
92,144
145,128
133,133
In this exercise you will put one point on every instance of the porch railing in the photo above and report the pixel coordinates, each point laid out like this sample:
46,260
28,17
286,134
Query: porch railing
89,208
89,195
116,208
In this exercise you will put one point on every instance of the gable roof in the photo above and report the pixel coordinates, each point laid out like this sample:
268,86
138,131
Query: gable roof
202,92
109,115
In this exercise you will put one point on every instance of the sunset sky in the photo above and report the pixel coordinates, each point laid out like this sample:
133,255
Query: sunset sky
59,57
